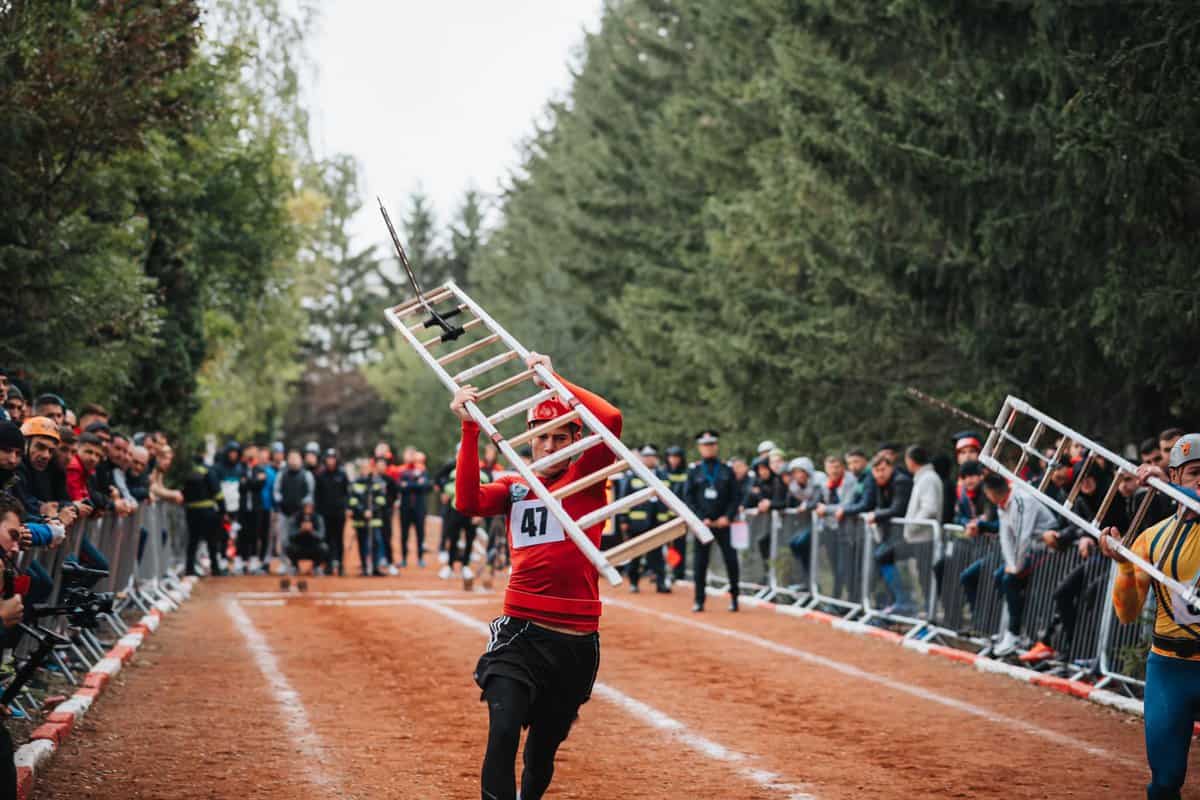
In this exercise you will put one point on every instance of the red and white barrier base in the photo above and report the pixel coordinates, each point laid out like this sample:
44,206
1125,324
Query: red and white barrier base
59,723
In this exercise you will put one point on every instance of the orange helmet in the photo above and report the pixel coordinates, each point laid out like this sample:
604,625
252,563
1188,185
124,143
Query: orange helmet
40,426
547,410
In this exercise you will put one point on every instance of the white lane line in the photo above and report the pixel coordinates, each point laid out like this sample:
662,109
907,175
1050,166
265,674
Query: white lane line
651,716
362,602
895,685
403,601
362,593
291,708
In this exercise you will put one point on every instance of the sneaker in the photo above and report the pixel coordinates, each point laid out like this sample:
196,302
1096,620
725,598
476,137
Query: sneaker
662,588
733,603
391,570
403,563
468,577
445,572
421,563
443,557
633,588
1039,652
1007,645
697,608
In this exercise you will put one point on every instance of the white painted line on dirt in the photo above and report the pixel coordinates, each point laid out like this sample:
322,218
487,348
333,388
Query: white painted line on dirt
402,601
651,716
288,699
895,685
363,593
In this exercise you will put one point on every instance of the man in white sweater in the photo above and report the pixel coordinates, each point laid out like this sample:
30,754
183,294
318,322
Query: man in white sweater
926,500
1023,520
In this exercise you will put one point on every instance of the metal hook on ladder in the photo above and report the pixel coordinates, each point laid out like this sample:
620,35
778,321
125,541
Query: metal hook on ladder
598,436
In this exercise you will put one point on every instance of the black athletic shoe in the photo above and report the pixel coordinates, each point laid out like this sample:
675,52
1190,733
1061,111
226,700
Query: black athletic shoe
697,608
733,605
662,588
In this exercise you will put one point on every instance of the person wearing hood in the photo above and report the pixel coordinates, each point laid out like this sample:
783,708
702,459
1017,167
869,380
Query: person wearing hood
312,457
332,498
767,493
711,492
804,488
204,506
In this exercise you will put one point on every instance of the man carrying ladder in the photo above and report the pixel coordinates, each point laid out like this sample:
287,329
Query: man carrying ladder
544,652
1172,696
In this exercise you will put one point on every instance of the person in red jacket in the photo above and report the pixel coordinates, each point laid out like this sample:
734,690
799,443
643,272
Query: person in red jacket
541,662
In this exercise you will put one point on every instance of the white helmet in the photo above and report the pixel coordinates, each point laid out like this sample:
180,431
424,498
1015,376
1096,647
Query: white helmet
1185,449
765,447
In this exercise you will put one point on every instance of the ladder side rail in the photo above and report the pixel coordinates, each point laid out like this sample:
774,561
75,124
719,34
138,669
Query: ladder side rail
668,497
590,551
1161,485
1187,593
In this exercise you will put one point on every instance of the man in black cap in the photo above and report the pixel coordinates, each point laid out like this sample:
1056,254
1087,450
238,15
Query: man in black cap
12,449
642,518
711,492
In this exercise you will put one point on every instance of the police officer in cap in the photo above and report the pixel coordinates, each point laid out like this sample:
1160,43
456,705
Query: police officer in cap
711,492
642,518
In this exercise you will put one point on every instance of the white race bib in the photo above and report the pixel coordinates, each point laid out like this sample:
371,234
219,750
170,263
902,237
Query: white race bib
710,493
532,523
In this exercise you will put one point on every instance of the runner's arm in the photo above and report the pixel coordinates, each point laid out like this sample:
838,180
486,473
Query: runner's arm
1132,585
470,497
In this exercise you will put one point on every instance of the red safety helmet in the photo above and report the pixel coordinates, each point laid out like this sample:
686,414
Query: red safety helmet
546,411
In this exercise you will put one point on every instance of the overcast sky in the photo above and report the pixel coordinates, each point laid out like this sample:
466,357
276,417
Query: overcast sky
438,95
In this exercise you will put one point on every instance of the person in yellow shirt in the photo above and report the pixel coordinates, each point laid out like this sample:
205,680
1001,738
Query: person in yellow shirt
1172,697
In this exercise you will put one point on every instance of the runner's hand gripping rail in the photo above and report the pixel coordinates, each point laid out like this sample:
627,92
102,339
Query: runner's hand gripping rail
1012,409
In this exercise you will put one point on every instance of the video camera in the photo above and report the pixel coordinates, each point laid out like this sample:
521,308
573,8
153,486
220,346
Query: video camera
81,606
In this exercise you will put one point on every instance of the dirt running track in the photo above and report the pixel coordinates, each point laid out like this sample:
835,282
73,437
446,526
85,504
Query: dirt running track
362,689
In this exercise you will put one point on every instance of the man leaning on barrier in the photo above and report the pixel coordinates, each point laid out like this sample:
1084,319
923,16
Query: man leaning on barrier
1172,695
1022,522
892,491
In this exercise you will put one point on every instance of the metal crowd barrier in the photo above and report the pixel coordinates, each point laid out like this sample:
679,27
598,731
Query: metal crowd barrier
144,552
939,570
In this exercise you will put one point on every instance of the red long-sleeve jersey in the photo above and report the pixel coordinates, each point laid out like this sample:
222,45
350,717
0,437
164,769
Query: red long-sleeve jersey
552,582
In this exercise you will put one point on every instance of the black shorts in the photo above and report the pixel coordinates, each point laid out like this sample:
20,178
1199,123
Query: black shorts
559,669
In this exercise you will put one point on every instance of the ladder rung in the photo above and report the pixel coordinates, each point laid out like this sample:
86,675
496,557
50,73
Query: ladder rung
437,339
463,352
507,383
571,488
616,507
436,296
522,405
570,451
479,369
644,543
528,436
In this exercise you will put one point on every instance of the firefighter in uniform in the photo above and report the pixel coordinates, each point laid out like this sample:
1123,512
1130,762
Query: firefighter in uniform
204,505
677,472
642,518
368,507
